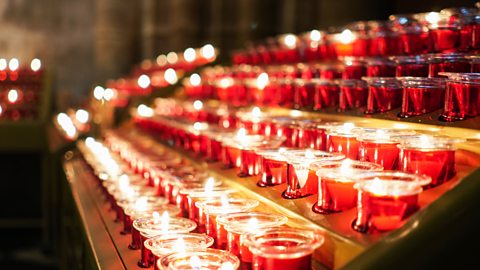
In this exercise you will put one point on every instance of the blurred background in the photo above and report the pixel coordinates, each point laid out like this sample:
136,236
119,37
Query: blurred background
84,42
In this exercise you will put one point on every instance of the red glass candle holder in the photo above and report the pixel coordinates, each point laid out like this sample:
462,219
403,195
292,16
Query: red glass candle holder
354,68
343,139
209,259
163,245
185,186
411,66
350,43
384,94
462,97
326,94
414,36
353,94
301,179
303,94
250,163
142,203
330,71
446,38
273,169
239,225
421,95
386,199
283,248
216,207
252,121
336,180
380,146
432,156
311,134
380,67
385,43
288,128
153,226
453,62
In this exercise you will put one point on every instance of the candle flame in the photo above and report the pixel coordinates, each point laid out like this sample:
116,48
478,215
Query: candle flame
165,221
156,216
195,79
256,112
253,224
197,105
179,245
208,51
195,262
170,76
36,64
108,94
309,154
162,60
347,127
145,111
12,96
262,81
346,167
141,204
315,35
13,64
347,36
98,92
226,82
123,182
189,55
172,58
143,81
241,134
227,266
209,185
225,202
433,18
82,116
3,64
290,41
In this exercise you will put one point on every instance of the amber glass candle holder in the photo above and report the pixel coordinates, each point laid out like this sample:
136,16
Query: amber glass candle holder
153,226
380,146
462,97
353,94
216,207
448,62
336,180
208,259
163,245
421,95
384,94
301,179
326,94
386,199
283,248
429,155
239,225
411,66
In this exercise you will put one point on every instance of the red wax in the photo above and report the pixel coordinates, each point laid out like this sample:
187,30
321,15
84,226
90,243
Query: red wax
249,164
346,145
352,95
438,164
445,39
383,98
303,94
260,262
412,70
448,66
462,100
383,153
335,196
273,172
416,42
418,101
382,212
326,95
301,182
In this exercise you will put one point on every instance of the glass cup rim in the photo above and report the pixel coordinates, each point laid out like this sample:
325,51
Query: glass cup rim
414,182
154,243
433,143
298,156
329,169
239,226
226,256
179,224
462,77
245,205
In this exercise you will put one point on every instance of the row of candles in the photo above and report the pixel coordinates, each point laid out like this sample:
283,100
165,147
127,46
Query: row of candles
20,89
295,151
452,29
205,219
72,123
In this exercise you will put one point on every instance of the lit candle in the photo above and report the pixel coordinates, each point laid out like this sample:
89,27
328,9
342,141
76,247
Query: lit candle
336,181
273,169
301,180
387,199
197,260
460,104
343,139
139,205
421,95
296,246
224,205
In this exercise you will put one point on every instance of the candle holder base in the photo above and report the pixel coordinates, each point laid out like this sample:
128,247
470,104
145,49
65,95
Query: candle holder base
320,210
133,247
450,118
359,228
125,232
143,264
291,196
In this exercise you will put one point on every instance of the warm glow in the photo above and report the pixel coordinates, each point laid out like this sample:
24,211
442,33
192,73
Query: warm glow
12,96
433,17
290,41
197,105
295,113
189,55
82,116
156,217
400,126
66,124
179,245
347,127
172,58
309,154
1,109
141,204
262,81
209,185
315,35
346,167
256,112
241,134
224,201
165,221
170,76
13,64
425,141
143,81
226,82
36,64
195,262
208,51
3,63
108,94
253,224
162,60
123,182
227,266
195,79
98,92
145,111
200,126
346,36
